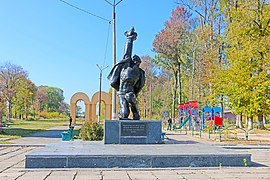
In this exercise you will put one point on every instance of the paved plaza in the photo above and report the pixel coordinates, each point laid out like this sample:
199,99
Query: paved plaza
12,164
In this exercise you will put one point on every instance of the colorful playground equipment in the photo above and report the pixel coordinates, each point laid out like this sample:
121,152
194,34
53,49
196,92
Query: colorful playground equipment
188,112
189,117
211,117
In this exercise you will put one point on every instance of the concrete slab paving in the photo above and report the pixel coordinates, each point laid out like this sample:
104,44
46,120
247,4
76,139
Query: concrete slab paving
65,175
88,178
9,150
19,165
115,175
141,175
2,149
34,175
10,176
234,175
166,174
89,175
196,176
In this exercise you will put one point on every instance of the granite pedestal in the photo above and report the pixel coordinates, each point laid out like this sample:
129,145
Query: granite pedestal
132,132
83,154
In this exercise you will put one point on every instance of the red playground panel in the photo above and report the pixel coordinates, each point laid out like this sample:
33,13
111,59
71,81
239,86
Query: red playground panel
181,106
194,104
218,121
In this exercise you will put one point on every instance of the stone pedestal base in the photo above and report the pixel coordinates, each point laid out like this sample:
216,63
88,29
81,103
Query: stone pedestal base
132,132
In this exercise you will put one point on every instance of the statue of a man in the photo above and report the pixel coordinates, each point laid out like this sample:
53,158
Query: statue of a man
128,79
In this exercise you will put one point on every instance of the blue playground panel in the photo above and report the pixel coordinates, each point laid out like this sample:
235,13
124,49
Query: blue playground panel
216,109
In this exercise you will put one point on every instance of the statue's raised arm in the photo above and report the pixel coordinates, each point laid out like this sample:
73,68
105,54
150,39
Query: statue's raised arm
131,36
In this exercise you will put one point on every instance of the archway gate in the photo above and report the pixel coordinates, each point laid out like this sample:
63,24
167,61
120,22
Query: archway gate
90,106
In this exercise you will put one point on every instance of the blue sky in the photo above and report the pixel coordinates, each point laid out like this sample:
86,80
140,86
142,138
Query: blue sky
60,46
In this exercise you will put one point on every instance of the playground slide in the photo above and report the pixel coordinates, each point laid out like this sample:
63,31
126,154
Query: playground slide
184,122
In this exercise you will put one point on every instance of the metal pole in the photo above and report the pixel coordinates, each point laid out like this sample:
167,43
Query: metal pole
113,52
99,101
114,61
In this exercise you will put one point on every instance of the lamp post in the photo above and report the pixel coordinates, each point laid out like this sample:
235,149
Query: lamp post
114,4
99,101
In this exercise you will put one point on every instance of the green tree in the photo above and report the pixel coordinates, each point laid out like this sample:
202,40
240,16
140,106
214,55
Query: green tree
55,98
25,97
248,36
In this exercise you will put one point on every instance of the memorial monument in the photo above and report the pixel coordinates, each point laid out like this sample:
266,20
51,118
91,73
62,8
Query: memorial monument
128,79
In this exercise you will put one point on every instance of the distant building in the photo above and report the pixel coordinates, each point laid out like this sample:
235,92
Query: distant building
229,115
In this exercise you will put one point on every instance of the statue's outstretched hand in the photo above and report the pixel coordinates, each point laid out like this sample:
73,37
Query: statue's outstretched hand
131,34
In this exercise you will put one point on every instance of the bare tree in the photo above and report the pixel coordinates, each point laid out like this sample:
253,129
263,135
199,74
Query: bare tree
10,75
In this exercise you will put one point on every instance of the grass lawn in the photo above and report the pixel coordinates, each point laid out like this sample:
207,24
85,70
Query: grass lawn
22,128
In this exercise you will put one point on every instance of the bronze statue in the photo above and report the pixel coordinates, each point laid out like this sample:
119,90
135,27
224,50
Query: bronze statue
128,79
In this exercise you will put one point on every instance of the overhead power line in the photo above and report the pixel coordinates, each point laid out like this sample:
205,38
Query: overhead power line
106,47
71,5
80,9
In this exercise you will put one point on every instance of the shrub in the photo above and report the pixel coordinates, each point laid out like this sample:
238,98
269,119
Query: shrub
51,115
91,131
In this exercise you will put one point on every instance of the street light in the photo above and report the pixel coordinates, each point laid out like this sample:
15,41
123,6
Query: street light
114,4
114,53
100,78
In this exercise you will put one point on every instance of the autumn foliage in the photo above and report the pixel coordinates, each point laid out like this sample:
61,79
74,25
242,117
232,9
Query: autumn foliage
218,54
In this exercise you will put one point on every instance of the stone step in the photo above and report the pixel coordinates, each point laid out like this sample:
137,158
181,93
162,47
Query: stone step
139,161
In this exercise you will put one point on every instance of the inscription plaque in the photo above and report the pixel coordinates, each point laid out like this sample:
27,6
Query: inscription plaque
133,129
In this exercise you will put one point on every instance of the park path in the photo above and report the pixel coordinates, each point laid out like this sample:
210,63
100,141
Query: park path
12,159
42,138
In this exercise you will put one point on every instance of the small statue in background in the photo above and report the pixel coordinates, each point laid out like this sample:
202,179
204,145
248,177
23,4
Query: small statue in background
70,121
128,79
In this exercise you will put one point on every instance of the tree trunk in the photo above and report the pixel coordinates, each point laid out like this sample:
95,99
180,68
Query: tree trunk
222,108
26,113
238,122
250,123
179,84
173,105
260,122
151,101
9,111
1,116
192,75
34,113
174,94
144,108
199,87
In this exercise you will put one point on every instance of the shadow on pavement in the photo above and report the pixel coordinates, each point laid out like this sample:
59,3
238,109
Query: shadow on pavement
174,141
254,164
48,134
243,148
